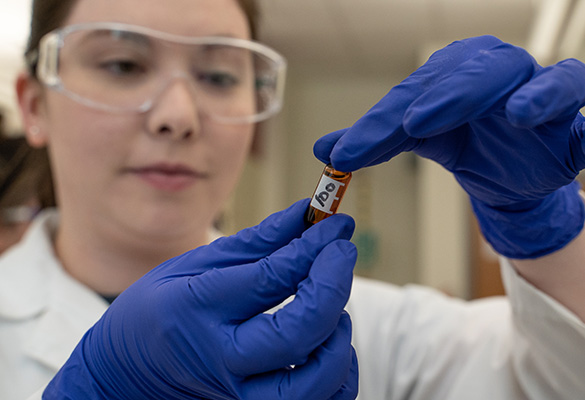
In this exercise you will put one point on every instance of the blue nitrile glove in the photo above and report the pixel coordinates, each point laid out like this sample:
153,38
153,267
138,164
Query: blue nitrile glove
507,129
195,328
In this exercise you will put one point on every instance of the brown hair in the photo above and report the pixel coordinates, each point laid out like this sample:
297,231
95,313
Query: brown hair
48,15
25,174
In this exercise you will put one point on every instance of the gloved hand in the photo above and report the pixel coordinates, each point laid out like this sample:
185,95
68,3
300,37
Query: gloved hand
507,129
194,327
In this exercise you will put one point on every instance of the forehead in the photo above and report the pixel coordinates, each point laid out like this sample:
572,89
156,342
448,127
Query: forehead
180,17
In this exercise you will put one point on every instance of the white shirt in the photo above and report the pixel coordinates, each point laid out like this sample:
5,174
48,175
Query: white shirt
413,343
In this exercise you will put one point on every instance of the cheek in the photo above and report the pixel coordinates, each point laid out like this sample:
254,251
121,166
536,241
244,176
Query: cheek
92,127
235,140
81,142
231,152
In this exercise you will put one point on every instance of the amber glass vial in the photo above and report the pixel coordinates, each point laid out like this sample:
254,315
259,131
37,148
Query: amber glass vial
328,194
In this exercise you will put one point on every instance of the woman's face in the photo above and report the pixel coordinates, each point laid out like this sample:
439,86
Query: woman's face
165,172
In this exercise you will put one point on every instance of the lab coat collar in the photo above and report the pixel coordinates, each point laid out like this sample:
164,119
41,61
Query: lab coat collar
63,323
34,286
26,269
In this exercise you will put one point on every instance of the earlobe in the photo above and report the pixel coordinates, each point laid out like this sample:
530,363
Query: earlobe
29,93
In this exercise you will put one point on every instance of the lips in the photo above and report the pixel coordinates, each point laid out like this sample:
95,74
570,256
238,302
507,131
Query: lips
168,177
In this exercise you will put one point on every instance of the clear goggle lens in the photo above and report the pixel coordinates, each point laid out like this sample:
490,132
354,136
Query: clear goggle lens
124,68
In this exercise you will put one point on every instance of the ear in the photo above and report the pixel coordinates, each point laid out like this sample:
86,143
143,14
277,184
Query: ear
30,96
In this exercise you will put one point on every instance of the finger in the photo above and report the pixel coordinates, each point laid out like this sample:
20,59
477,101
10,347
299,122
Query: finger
256,242
555,92
367,143
247,246
323,146
399,143
349,390
330,372
379,134
474,89
287,337
254,288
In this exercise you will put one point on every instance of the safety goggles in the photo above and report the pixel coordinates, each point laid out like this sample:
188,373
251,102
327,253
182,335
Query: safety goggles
124,68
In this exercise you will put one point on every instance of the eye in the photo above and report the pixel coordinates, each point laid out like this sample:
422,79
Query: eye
122,67
218,79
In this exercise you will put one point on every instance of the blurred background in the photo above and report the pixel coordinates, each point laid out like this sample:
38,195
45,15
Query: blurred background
413,222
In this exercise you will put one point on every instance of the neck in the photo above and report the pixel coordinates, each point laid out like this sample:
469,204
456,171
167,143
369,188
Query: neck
109,259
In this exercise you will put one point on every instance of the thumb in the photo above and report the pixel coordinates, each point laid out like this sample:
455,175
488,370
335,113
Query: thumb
247,246
324,145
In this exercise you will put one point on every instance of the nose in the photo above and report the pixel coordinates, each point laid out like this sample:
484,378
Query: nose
174,113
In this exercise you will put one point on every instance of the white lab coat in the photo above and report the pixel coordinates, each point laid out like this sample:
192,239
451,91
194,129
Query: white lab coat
413,343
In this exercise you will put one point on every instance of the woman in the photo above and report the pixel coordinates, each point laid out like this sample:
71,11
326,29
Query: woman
145,153
135,186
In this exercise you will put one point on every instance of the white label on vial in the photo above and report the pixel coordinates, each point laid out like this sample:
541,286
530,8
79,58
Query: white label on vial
325,194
